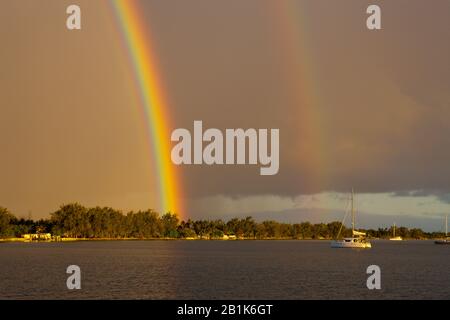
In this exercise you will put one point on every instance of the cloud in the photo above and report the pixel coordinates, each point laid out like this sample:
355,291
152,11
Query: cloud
373,209
441,195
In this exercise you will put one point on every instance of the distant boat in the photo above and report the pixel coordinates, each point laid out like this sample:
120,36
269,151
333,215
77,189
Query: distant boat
395,238
358,239
446,240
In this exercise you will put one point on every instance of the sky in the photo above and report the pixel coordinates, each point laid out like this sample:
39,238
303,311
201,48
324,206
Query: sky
355,108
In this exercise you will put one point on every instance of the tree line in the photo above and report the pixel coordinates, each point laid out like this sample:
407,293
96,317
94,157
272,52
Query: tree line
76,221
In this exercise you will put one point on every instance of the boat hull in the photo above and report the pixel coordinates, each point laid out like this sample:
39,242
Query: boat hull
442,242
345,244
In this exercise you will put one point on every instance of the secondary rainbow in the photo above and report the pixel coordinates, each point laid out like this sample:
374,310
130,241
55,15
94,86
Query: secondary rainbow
139,43
295,40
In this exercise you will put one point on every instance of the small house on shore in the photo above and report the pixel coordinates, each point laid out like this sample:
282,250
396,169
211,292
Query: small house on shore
37,237
229,237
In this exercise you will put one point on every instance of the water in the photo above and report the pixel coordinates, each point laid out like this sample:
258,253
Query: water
223,270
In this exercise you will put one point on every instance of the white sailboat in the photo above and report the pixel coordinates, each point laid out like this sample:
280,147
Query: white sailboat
358,239
446,240
395,238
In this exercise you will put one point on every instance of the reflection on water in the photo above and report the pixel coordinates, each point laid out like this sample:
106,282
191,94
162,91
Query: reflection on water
223,270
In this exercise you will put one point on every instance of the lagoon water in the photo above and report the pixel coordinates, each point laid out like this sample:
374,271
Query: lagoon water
223,270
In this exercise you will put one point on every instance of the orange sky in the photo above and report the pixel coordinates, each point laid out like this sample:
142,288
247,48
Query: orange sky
70,129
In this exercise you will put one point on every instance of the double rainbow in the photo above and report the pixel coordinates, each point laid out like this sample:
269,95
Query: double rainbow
139,45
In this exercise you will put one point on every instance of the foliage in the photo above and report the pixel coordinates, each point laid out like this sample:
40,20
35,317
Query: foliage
6,229
77,221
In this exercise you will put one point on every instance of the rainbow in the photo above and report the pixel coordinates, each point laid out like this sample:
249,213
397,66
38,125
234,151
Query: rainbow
139,44
292,20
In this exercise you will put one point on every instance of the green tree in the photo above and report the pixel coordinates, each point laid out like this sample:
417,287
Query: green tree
306,230
272,229
416,233
333,229
6,229
186,229
170,224
248,226
68,220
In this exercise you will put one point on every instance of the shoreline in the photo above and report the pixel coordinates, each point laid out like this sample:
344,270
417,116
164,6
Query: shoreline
184,239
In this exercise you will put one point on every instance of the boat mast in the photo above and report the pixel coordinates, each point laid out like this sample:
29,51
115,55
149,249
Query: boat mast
353,216
394,229
446,224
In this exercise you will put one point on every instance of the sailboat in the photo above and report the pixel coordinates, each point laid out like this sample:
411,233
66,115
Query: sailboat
395,238
358,239
446,240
